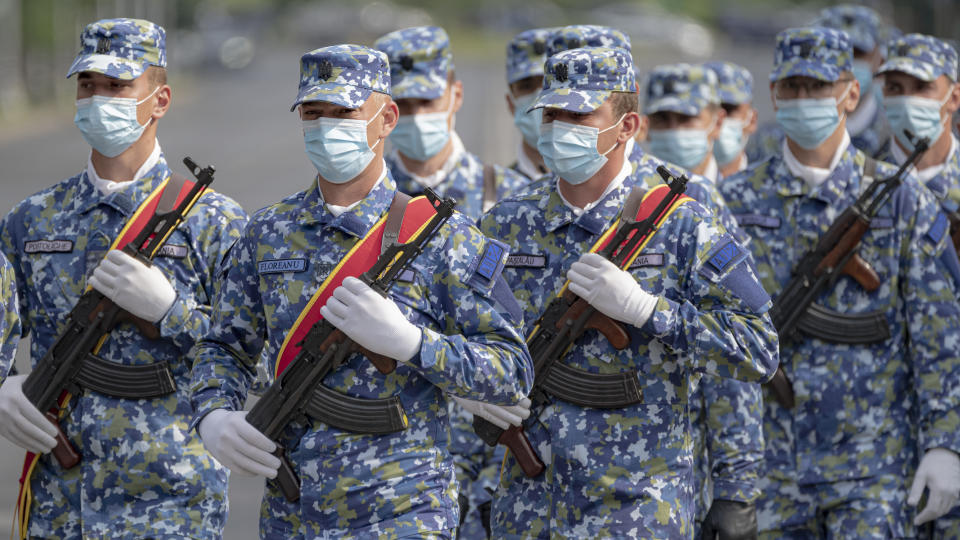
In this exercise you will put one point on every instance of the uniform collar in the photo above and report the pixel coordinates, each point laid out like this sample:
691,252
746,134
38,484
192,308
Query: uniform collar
811,175
127,199
525,165
358,218
596,216
932,177
712,173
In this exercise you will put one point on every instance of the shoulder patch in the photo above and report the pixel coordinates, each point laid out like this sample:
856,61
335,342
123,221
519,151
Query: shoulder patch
757,220
277,266
939,228
48,246
491,260
722,257
520,260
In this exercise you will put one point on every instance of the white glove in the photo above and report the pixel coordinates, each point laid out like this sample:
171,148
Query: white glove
20,422
140,289
939,471
612,291
371,320
499,415
237,445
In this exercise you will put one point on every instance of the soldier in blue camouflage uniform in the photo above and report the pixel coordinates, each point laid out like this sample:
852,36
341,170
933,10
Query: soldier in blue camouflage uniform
143,472
919,79
839,464
450,323
865,125
427,152
623,472
735,88
526,54
727,415
10,413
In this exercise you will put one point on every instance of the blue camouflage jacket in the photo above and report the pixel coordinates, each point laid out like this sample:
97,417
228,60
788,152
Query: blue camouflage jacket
10,321
355,485
162,482
861,410
627,472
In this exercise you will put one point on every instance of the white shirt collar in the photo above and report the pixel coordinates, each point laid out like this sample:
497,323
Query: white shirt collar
526,166
712,172
440,175
925,175
813,176
106,186
859,120
336,210
614,184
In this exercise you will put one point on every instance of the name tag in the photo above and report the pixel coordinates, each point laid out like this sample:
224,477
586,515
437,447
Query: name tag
173,252
757,220
724,256
277,266
647,259
406,276
526,261
48,246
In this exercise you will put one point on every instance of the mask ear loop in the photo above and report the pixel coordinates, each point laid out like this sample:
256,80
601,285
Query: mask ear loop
143,101
374,117
608,129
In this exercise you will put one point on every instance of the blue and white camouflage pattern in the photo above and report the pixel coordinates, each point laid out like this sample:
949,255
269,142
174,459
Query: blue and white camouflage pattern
581,80
478,470
464,183
10,320
120,48
816,52
420,61
627,472
345,75
680,88
354,485
861,23
144,472
862,411
579,36
922,56
526,54
734,82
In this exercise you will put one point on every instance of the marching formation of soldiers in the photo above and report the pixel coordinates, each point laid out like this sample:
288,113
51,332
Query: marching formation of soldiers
693,397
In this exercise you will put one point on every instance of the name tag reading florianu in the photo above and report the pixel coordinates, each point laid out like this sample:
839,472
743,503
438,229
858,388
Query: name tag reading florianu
277,266
48,246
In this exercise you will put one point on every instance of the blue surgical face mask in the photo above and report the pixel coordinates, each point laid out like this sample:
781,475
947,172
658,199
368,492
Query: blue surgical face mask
808,122
109,124
864,74
422,136
338,147
685,147
570,150
730,143
919,115
527,122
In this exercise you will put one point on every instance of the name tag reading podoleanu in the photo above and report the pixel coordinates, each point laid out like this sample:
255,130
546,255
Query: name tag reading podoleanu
48,246
277,266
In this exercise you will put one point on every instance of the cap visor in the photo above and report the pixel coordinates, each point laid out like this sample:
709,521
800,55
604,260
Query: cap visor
571,100
920,70
805,68
345,95
111,66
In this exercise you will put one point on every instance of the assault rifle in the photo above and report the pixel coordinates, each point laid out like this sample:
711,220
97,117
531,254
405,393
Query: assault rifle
71,364
567,317
325,348
794,310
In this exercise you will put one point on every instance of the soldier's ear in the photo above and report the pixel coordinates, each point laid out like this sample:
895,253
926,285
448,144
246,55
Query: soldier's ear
391,113
629,127
751,126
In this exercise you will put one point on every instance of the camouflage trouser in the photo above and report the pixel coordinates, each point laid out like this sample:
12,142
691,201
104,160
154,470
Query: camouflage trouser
945,528
866,508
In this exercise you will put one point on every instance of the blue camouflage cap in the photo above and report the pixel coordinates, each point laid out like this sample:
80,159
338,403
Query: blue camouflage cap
734,82
816,52
342,74
924,57
120,48
420,61
680,88
581,80
526,54
861,23
586,35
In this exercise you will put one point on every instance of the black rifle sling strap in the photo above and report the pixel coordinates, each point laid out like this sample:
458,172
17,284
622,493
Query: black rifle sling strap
391,229
489,188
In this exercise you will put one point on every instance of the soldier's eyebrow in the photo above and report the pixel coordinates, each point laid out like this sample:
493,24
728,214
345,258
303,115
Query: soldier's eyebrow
84,75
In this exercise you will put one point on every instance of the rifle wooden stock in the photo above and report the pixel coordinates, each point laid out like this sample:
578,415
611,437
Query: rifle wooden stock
64,452
861,271
286,479
611,329
383,364
954,218
516,440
